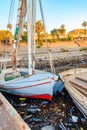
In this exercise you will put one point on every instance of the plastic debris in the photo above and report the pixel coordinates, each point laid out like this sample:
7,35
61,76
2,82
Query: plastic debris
58,87
36,120
22,99
74,119
45,103
84,121
61,126
33,111
23,104
68,124
72,110
27,117
34,107
44,124
48,127
77,127
81,128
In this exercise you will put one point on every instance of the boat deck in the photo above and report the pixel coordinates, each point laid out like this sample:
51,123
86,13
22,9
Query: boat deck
75,81
9,118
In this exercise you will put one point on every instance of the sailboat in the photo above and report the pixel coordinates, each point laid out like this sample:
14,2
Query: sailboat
28,82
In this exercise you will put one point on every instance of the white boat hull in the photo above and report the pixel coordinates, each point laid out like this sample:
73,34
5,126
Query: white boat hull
38,85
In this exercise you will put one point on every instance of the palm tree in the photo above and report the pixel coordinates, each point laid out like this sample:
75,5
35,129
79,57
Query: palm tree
62,26
9,26
39,29
84,24
54,34
62,29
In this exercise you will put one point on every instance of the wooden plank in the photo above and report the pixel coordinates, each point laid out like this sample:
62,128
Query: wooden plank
79,83
82,77
83,91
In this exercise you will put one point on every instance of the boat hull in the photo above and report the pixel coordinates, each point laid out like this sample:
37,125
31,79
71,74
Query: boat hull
39,85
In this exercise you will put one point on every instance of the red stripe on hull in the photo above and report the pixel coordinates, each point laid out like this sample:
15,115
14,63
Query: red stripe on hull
42,96
27,86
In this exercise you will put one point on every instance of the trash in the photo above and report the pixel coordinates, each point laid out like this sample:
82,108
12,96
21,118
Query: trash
84,121
74,119
59,110
77,127
81,128
22,113
30,125
63,114
22,99
61,126
23,104
60,114
54,100
33,111
68,124
36,120
33,107
48,127
64,105
47,117
58,87
45,103
27,117
69,120
44,124
72,110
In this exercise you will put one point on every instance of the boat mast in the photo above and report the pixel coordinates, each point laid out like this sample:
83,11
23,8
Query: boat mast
33,32
29,21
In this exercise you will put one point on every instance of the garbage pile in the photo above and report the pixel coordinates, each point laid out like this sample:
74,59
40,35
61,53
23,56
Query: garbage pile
60,114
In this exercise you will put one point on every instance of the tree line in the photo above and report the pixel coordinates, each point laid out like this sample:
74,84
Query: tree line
55,34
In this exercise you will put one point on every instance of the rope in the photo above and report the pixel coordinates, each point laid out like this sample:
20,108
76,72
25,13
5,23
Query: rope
11,11
51,63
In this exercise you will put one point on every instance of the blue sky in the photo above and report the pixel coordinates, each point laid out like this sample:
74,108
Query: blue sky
71,13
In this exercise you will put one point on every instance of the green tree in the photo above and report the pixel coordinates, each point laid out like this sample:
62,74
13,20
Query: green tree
4,34
54,34
84,24
62,30
39,29
9,26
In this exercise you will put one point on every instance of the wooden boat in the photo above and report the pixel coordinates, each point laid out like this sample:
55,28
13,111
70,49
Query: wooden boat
38,85
9,118
27,82
75,81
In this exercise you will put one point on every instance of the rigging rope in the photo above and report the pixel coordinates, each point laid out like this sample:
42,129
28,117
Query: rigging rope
10,18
